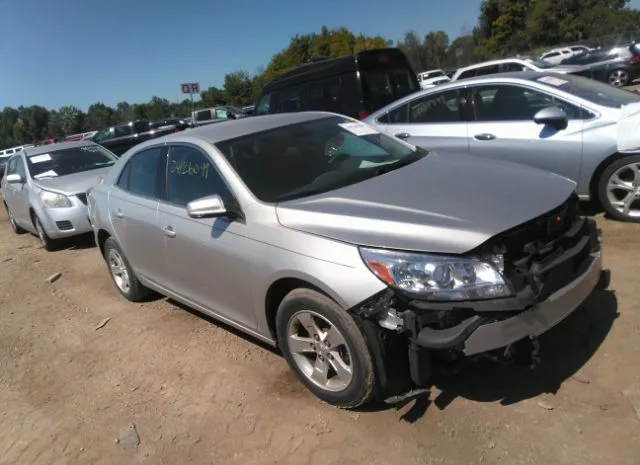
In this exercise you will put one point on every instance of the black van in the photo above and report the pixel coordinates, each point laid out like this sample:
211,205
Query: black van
354,85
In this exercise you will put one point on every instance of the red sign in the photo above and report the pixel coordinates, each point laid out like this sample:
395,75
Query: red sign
190,88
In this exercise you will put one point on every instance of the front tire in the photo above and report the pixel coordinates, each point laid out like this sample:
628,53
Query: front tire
325,349
47,243
619,189
122,274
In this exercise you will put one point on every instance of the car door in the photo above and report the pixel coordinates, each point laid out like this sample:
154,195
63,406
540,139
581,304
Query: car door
503,128
436,121
133,212
7,190
20,194
205,257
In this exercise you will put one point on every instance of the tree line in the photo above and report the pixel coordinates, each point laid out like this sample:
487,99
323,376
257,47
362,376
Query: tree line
504,27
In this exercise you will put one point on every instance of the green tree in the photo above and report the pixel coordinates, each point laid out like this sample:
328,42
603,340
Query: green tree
8,119
158,108
238,88
71,119
35,121
436,45
415,51
99,115
213,96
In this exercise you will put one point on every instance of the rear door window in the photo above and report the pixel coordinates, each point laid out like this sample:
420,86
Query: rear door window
382,86
287,100
338,94
444,107
203,115
142,175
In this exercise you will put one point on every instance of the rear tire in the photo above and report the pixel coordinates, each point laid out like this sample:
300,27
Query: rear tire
122,274
619,189
325,349
12,221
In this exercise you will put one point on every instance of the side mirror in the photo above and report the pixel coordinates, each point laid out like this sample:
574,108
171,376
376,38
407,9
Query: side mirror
14,178
206,207
552,116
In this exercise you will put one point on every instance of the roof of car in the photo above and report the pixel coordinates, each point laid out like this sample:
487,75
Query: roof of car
29,151
231,129
492,62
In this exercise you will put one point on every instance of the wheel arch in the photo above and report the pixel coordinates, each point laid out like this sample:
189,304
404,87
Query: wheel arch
101,239
597,174
279,289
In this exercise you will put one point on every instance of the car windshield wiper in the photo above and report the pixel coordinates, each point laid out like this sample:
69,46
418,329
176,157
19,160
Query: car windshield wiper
415,156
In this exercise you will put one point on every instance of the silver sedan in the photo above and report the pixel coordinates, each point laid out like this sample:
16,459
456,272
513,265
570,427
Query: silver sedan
44,188
560,123
319,234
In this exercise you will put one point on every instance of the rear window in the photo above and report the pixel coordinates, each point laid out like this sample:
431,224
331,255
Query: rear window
395,82
591,90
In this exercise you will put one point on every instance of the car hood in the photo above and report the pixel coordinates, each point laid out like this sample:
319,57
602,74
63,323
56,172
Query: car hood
72,184
443,203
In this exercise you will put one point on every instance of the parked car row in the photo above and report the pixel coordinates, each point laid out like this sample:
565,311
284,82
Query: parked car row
350,249
397,231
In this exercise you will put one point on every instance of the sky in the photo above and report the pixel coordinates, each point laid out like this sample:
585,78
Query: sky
78,52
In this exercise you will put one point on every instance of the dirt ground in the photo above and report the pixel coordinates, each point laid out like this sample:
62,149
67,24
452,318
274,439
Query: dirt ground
200,393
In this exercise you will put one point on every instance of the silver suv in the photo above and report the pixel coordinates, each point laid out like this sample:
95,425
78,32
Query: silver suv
317,233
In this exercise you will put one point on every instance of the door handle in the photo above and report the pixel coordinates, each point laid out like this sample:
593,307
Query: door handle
403,135
118,213
168,231
484,136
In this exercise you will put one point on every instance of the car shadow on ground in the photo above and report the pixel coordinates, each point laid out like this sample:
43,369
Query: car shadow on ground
79,242
564,350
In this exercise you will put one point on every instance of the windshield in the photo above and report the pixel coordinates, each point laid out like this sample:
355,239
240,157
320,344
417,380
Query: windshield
591,90
68,161
313,157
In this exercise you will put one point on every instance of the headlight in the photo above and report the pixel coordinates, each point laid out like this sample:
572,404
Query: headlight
54,200
436,277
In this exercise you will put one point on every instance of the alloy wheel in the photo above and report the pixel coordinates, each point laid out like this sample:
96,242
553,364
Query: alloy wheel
119,271
320,351
619,78
623,190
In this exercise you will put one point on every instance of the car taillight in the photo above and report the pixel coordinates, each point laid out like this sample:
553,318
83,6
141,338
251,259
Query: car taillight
635,59
362,114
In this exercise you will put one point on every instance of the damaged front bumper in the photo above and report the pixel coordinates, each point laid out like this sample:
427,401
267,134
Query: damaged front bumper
554,275
479,334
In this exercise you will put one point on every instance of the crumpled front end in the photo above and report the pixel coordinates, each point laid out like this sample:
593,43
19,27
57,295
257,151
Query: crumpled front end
552,264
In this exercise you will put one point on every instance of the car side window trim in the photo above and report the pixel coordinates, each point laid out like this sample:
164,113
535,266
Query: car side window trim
463,108
584,111
216,171
160,174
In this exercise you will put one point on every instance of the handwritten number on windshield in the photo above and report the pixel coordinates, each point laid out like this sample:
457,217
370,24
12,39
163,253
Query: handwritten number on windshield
186,168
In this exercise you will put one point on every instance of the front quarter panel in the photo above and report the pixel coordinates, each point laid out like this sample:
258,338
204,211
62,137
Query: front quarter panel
277,253
599,142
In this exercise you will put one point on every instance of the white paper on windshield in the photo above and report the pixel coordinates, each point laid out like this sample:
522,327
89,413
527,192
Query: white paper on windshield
554,81
40,158
358,129
46,174
629,127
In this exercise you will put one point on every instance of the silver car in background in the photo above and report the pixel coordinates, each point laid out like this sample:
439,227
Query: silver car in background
44,188
316,233
561,123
